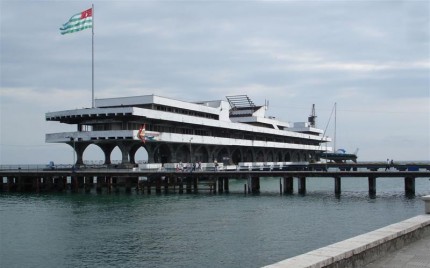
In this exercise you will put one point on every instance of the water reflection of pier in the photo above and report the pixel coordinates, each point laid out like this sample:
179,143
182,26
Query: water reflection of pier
167,181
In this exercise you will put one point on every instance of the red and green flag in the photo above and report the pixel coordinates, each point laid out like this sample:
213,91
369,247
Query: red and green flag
78,22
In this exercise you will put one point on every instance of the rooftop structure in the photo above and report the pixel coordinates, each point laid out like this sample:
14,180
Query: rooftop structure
173,130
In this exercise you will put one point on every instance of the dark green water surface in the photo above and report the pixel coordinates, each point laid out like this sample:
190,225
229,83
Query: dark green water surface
194,230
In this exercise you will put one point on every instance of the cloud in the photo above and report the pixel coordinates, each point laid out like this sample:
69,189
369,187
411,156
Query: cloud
371,57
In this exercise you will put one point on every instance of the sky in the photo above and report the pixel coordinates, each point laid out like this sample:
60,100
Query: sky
372,58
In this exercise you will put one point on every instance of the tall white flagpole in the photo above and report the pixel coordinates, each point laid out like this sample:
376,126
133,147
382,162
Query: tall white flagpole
92,63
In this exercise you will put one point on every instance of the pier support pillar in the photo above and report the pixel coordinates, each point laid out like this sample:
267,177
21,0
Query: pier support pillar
372,186
337,185
158,185
302,185
213,183
226,186
220,185
280,186
166,185
148,186
109,181
195,184
181,185
37,184
288,185
410,186
63,183
49,182
189,182
20,184
81,182
60,184
99,184
255,185
140,186
128,185
88,183
74,184
10,184
175,182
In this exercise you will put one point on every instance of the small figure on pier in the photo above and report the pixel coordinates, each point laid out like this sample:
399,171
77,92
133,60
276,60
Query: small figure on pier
216,165
387,166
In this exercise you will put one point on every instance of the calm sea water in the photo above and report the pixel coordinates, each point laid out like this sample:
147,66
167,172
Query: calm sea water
201,230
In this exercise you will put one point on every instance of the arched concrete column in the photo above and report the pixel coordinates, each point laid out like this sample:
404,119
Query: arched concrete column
259,155
133,150
279,156
79,148
220,152
288,156
313,157
162,153
269,155
302,156
125,148
173,148
201,153
107,149
183,153
215,151
211,153
295,157
150,149
236,155
306,156
248,155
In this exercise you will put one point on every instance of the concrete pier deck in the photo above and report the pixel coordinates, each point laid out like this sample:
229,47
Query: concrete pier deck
414,255
56,180
403,244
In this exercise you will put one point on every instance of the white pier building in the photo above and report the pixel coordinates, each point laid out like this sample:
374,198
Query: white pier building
235,130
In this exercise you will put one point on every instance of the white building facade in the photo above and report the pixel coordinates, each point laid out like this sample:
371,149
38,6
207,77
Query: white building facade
235,130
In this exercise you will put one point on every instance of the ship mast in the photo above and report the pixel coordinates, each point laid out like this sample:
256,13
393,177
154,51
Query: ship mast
312,117
334,137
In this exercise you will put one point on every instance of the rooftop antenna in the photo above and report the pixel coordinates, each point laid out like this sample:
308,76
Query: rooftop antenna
312,118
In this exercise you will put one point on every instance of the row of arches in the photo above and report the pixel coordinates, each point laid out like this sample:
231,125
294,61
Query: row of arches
129,152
